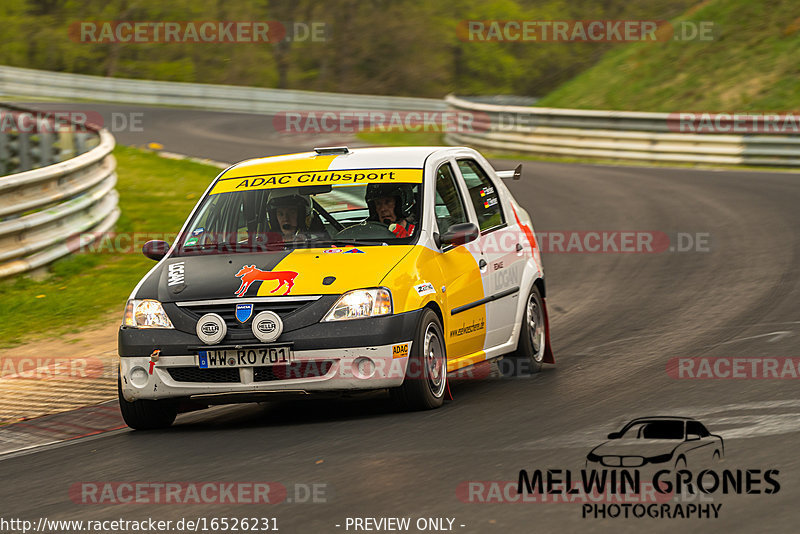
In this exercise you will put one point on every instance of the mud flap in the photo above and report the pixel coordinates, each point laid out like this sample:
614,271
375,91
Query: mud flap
448,395
548,350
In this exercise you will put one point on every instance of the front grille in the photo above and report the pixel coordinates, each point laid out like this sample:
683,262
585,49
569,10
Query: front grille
228,311
293,371
195,374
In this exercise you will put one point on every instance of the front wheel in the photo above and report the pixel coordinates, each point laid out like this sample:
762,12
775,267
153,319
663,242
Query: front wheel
426,375
146,414
528,357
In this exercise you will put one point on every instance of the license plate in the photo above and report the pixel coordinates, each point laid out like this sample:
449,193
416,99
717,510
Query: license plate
252,357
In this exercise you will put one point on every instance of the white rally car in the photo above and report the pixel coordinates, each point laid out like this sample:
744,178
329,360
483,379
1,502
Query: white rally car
335,270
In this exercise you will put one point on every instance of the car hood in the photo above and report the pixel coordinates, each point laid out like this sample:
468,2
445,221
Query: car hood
637,447
290,272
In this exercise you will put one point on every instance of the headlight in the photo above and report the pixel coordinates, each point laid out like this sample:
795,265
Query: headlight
361,303
660,459
146,313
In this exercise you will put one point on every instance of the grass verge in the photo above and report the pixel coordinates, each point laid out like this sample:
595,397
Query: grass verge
748,63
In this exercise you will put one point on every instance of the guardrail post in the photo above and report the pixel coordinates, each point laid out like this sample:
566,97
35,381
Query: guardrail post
5,155
80,142
23,151
66,145
42,150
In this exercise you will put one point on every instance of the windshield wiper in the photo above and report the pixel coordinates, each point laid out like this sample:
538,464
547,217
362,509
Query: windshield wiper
355,242
223,246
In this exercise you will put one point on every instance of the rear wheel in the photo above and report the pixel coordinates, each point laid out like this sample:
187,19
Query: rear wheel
426,374
146,414
528,357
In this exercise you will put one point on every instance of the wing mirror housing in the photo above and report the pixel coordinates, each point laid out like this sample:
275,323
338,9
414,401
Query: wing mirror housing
692,437
459,234
614,435
155,249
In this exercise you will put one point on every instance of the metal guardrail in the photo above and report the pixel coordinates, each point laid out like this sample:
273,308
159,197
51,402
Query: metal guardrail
637,136
37,83
48,212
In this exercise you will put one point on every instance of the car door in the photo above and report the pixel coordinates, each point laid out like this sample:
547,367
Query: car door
464,322
501,262
699,451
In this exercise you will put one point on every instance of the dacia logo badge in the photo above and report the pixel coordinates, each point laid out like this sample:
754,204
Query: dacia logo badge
244,312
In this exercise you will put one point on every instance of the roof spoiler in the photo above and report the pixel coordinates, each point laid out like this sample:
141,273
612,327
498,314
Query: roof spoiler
516,174
328,150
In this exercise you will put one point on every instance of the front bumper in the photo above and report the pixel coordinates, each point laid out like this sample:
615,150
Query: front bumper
369,332
313,371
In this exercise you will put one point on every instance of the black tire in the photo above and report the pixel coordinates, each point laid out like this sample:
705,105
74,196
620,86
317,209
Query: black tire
528,357
146,414
426,375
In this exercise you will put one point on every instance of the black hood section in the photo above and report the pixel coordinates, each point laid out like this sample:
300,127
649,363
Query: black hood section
200,277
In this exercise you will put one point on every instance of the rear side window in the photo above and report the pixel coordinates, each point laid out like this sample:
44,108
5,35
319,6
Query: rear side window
695,427
663,430
483,195
449,206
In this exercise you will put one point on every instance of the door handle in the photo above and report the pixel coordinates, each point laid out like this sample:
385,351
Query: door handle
519,247
482,263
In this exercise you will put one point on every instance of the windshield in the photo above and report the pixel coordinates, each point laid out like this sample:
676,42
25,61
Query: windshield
304,217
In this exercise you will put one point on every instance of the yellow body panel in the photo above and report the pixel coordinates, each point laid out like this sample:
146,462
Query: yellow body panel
350,270
457,272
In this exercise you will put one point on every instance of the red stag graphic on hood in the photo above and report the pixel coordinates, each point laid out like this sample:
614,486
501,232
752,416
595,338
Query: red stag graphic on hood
250,274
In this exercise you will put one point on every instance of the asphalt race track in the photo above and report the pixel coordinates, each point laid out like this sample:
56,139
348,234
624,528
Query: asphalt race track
616,319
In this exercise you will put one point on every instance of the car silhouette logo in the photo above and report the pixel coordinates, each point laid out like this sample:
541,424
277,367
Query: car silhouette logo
664,442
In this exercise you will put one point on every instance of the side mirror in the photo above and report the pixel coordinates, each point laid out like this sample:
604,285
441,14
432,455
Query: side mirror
692,437
155,250
614,435
458,234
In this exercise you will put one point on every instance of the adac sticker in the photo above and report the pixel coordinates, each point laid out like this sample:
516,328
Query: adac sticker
425,288
198,231
354,251
400,351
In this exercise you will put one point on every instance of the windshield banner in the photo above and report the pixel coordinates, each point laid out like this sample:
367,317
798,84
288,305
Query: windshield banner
301,178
